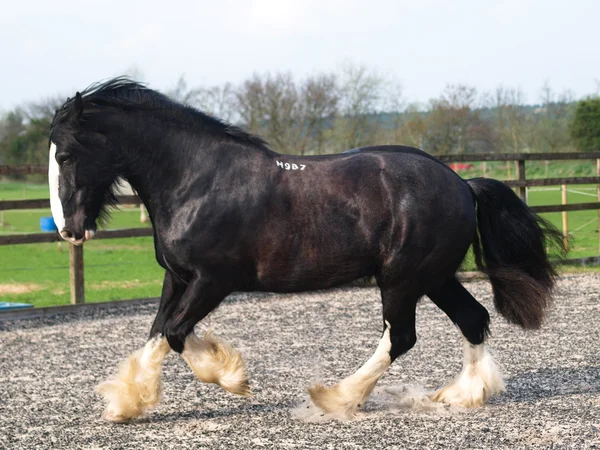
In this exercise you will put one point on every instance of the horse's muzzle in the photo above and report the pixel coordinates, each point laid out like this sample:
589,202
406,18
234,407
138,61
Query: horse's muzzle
70,237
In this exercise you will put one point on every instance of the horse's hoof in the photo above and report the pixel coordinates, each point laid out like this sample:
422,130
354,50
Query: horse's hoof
111,416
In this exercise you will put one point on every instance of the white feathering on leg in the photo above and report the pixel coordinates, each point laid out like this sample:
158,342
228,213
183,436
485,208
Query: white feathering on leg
136,387
215,361
479,379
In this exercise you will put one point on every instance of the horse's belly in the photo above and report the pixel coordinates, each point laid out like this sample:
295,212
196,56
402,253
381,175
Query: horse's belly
306,282
312,270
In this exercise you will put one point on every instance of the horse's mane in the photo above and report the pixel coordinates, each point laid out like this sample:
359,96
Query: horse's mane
126,94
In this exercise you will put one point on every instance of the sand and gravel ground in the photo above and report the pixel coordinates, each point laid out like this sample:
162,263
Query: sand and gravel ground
49,367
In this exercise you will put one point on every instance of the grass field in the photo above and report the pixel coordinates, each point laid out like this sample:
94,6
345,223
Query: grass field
39,273
126,268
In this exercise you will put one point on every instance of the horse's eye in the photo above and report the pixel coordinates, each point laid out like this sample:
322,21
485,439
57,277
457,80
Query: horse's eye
62,158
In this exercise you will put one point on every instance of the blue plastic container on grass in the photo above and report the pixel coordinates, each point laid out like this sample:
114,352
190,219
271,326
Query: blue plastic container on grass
6,306
47,224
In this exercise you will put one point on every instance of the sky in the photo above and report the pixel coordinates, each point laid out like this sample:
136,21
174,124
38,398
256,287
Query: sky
50,48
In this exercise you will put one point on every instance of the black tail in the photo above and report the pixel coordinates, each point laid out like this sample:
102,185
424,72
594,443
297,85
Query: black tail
511,248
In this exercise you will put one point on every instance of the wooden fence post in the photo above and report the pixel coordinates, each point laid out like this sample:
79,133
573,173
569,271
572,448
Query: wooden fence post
565,220
521,190
76,271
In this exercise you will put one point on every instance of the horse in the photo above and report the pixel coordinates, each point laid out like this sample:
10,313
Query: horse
229,214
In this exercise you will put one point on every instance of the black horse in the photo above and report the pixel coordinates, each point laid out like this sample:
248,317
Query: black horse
231,215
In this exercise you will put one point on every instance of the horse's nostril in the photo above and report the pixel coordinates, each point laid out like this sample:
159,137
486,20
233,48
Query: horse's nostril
66,234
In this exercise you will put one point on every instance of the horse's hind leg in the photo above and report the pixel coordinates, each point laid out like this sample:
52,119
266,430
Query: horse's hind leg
399,336
136,387
480,377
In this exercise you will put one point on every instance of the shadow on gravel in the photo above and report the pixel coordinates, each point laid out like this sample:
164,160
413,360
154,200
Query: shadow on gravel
96,311
199,414
147,307
551,382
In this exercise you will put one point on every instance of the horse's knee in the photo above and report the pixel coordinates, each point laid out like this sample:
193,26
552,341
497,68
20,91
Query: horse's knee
176,335
402,341
175,342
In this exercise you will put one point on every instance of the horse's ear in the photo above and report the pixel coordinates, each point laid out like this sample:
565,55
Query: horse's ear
78,106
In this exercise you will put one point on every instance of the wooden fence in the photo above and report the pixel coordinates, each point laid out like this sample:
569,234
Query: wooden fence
76,260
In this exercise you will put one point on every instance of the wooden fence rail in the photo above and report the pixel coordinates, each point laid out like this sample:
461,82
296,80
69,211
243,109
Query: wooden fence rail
45,203
467,157
38,238
521,184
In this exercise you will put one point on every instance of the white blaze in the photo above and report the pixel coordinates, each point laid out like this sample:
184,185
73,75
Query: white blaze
53,176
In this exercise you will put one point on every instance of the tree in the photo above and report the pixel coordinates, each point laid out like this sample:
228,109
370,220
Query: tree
319,99
408,127
454,125
182,93
269,106
585,126
551,133
24,133
218,101
293,117
11,128
510,119
362,93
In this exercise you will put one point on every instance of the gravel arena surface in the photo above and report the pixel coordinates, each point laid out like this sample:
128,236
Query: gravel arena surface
49,368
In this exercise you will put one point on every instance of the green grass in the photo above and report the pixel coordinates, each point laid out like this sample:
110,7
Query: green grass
582,225
115,269
21,190
126,268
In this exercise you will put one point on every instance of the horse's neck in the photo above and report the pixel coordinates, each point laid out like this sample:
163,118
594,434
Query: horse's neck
153,184
145,193
162,176
160,158
152,173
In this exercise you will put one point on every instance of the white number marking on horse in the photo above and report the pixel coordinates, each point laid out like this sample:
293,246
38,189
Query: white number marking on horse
288,166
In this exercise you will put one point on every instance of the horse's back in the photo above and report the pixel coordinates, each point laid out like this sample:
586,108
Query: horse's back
411,172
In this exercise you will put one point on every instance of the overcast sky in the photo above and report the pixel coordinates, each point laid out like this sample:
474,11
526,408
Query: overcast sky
57,47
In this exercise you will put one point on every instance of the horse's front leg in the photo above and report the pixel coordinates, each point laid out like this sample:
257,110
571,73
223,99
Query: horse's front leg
211,359
136,387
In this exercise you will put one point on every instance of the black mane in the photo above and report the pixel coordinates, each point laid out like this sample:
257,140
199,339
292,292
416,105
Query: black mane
126,94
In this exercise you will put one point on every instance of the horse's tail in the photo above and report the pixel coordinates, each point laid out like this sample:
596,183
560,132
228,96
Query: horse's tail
511,248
